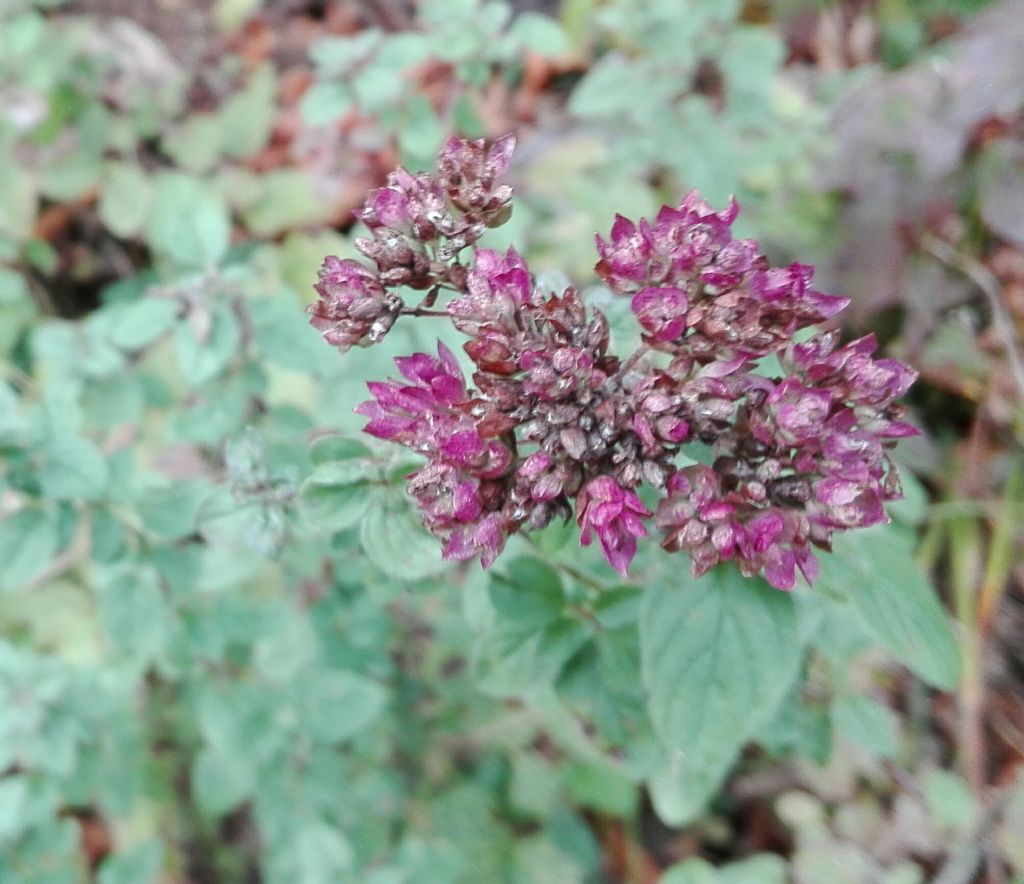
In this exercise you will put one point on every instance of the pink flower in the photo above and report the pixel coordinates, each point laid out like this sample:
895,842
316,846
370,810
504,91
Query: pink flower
624,263
414,413
661,312
353,308
556,419
498,287
798,413
614,514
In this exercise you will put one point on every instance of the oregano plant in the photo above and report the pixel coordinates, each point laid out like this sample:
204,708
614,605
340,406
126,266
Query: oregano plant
759,433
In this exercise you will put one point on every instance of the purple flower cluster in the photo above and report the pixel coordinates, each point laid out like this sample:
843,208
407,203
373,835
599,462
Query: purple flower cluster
555,423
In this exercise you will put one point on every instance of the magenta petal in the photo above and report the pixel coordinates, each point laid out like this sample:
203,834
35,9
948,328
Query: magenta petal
621,555
900,376
388,428
463,448
417,366
808,564
825,306
899,430
622,229
448,360
535,464
458,546
546,488
836,492
780,568
448,390
499,157
763,530
466,502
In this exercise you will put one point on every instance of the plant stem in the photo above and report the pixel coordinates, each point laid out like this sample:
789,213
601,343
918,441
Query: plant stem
985,280
1001,548
422,311
569,570
965,562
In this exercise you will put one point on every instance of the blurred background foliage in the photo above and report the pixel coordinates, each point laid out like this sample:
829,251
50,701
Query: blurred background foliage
227,652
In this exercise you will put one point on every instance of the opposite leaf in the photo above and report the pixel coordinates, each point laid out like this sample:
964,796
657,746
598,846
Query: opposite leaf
876,572
718,657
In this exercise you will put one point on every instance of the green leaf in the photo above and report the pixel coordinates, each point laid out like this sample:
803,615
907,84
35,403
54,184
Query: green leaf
282,331
690,871
112,401
867,723
618,607
336,496
328,448
530,595
140,323
397,544
324,103
337,55
284,198
190,223
196,144
232,14
613,86
138,865
421,133
466,119
134,615
286,652
28,543
600,786
515,661
13,795
316,853
749,62
540,34
245,458
247,117
950,802
13,426
763,868
238,520
680,790
221,780
201,359
220,409
404,49
18,198
378,86
719,655
73,468
537,860
126,200
171,511
875,570
799,728
13,287
242,717
338,705
533,787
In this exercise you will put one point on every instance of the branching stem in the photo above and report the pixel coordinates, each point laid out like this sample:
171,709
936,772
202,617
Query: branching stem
990,286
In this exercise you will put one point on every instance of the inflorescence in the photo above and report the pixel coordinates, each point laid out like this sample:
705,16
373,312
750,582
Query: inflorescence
555,423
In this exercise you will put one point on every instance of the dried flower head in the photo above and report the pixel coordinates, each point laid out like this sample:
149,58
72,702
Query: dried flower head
555,423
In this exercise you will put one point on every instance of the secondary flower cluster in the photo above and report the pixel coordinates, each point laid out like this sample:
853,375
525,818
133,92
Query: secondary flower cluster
555,424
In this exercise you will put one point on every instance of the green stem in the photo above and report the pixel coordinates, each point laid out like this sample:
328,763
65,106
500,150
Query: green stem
1001,550
965,564
567,569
